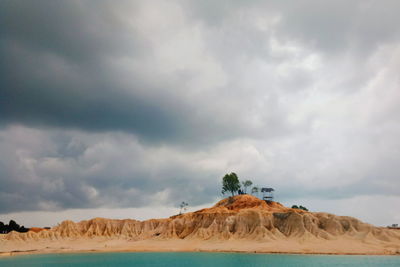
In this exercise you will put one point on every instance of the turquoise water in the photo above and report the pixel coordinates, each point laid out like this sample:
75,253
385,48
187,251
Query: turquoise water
196,259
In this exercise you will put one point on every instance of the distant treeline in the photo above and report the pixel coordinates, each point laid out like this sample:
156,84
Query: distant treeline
12,226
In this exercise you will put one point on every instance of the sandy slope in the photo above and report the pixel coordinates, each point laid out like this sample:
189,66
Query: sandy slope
243,223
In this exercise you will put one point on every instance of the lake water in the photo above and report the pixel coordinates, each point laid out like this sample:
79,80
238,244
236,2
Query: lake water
196,259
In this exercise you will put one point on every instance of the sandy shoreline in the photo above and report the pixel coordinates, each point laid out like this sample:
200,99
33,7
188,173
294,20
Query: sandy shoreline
337,247
34,252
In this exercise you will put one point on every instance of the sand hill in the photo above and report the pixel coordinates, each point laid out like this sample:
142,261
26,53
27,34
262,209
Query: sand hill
240,223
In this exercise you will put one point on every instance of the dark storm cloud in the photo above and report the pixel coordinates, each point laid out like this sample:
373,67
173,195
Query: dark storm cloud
52,170
59,62
69,64
62,63
53,71
136,103
64,67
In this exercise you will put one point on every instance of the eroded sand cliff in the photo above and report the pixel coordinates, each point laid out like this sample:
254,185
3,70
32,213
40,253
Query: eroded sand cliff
241,223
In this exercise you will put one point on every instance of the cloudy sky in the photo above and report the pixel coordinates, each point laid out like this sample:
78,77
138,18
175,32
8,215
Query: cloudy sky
125,109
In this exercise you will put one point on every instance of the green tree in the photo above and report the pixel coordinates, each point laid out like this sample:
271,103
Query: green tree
303,208
299,207
246,184
230,183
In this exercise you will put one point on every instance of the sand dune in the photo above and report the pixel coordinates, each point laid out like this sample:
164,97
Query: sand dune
242,223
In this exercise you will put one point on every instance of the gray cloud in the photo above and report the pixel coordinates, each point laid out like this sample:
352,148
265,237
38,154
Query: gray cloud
57,75
150,103
50,170
74,69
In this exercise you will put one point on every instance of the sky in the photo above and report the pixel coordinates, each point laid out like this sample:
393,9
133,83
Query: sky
125,109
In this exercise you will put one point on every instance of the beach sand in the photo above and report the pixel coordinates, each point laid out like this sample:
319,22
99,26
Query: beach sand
100,244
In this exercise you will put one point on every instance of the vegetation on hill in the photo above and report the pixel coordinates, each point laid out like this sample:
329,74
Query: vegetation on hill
246,184
12,226
230,183
299,207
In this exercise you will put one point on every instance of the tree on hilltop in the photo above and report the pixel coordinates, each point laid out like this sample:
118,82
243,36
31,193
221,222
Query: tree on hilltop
183,207
246,184
230,183
254,190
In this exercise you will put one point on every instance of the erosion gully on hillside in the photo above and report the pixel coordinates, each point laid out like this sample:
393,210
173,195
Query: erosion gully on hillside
260,226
